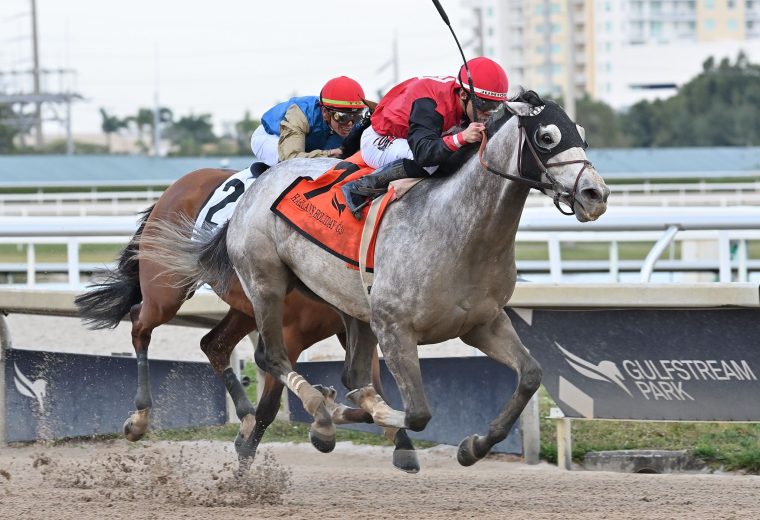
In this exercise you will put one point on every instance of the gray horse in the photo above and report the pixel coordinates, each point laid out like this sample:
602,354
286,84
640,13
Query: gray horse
444,267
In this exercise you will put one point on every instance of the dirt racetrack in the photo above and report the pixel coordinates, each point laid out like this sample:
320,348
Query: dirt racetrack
116,480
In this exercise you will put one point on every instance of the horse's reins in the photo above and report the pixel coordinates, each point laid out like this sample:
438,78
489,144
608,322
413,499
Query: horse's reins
538,185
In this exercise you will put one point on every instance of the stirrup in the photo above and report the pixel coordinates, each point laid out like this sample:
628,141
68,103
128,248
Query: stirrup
357,212
370,192
351,204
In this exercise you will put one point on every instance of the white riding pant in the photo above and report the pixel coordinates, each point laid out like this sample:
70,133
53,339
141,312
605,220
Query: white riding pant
379,150
264,146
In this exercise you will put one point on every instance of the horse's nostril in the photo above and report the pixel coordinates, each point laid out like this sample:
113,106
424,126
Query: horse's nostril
592,194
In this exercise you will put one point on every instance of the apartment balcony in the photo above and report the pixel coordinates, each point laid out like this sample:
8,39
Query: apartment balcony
678,16
579,39
663,16
639,16
579,58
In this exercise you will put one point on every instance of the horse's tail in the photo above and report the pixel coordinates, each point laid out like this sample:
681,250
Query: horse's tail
215,261
190,255
107,302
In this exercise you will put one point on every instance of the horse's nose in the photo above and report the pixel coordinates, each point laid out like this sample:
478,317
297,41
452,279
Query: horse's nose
595,194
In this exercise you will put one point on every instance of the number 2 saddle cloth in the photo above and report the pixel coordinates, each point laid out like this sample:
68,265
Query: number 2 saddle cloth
316,208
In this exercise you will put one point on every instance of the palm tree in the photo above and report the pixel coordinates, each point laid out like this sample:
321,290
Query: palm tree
143,120
111,125
8,130
190,133
244,128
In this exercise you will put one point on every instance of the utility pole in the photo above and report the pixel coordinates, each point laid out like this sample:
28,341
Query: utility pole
395,58
36,77
570,91
156,126
393,62
548,65
69,136
156,109
477,38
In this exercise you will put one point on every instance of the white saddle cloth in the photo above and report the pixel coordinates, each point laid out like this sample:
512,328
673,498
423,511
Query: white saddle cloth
219,207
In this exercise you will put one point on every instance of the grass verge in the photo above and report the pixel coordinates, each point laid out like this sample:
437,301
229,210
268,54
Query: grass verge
277,432
728,446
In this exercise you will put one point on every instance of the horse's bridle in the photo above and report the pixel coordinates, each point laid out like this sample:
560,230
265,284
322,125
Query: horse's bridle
538,185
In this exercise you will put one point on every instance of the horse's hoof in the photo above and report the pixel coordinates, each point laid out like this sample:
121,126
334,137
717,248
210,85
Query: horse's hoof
466,453
130,432
328,391
323,443
246,447
246,443
243,466
137,424
406,460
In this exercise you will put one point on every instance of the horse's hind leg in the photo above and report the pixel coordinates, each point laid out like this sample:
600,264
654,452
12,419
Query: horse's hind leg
218,345
267,285
399,346
271,395
361,352
499,341
145,317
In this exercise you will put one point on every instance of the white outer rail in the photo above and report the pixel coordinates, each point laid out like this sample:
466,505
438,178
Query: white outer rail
738,223
84,203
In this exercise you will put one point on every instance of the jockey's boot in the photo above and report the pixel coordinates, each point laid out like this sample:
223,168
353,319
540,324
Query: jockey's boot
376,183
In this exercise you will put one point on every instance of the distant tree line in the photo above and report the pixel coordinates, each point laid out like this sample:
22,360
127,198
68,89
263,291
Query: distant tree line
719,107
189,135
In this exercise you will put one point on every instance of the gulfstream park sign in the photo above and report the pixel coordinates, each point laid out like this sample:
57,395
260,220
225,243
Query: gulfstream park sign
664,378
647,364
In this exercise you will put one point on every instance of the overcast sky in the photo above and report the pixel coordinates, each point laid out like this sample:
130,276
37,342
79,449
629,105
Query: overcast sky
225,56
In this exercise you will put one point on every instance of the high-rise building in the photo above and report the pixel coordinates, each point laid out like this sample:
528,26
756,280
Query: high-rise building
622,50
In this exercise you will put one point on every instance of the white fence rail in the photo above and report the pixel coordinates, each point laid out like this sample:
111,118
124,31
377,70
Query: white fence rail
728,233
93,202
77,203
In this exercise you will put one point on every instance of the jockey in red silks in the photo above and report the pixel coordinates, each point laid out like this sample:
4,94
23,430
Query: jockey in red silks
410,131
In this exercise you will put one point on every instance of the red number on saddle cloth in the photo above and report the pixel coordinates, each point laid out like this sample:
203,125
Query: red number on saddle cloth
317,209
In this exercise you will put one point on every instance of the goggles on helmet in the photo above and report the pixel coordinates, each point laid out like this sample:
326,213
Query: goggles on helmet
488,105
342,117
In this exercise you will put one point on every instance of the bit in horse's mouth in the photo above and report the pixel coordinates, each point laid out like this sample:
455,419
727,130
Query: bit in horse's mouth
580,211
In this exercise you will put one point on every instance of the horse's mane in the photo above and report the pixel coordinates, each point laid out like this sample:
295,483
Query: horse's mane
530,97
493,124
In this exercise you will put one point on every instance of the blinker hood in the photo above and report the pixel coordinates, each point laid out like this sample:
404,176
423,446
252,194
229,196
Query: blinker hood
551,114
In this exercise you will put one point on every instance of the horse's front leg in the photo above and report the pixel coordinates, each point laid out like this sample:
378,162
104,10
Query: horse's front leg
404,456
499,341
399,346
267,286
218,345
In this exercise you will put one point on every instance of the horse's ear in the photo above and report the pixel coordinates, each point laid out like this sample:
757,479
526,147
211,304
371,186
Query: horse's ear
519,108
532,97
372,105
581,131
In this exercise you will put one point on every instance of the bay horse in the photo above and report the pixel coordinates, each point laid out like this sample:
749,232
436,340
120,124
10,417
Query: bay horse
444,264
143,290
